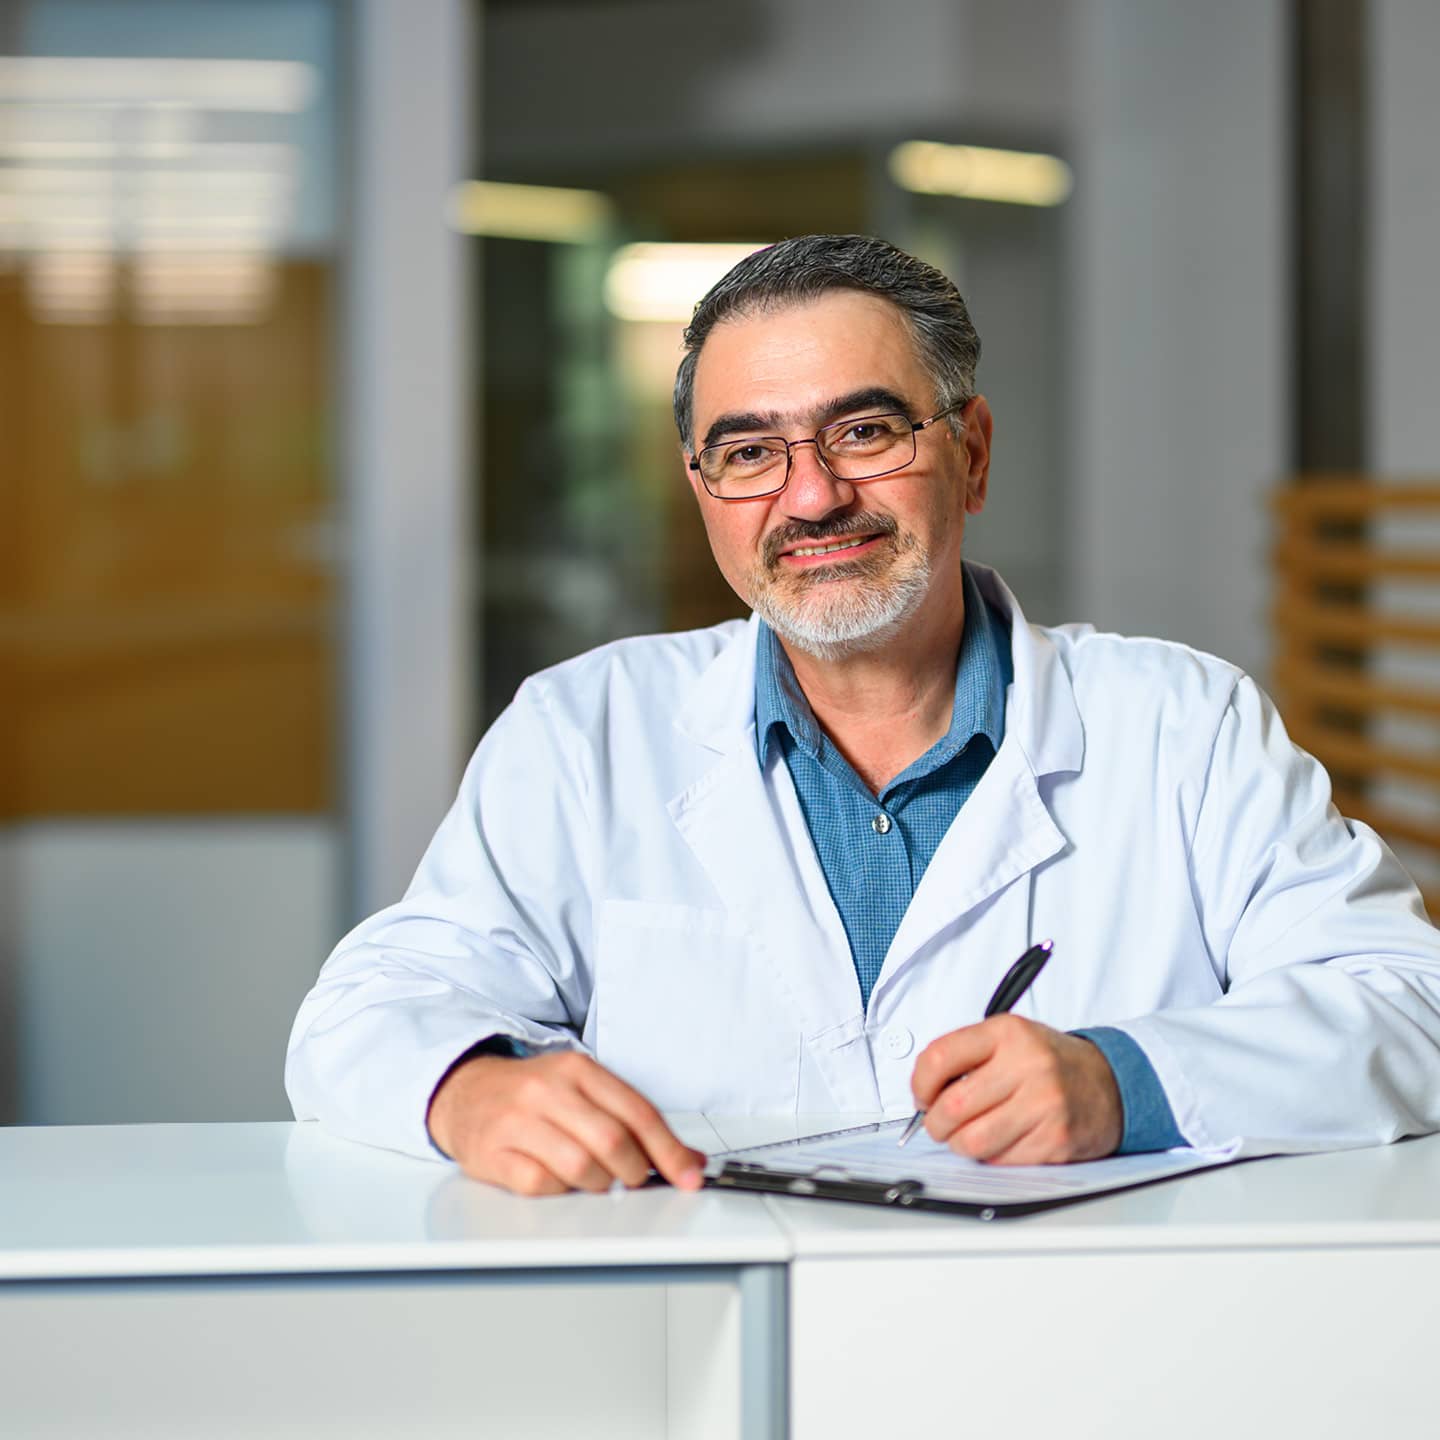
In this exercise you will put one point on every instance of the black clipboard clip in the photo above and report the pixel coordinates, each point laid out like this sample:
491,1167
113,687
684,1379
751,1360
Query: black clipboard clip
824,1183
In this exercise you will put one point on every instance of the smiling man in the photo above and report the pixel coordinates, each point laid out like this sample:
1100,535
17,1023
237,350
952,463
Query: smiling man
779,866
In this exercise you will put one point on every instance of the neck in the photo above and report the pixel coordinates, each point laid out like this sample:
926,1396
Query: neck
884,708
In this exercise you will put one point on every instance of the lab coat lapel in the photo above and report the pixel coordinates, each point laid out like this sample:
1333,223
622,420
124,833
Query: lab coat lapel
750,837
1004,830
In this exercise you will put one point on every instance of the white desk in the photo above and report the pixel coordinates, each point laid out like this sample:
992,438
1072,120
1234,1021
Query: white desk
209,1281
1279,1297
265,1279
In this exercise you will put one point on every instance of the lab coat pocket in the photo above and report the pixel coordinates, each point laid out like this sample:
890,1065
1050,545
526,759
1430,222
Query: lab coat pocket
688,1012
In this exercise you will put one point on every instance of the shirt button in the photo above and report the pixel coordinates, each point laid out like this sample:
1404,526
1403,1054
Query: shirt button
881,824
896,1042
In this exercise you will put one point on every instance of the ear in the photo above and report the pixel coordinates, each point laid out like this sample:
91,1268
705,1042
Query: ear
979,430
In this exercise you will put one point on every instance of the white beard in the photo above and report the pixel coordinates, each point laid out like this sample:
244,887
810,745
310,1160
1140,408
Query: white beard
862,613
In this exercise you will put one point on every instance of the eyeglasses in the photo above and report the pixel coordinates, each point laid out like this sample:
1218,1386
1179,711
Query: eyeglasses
863,448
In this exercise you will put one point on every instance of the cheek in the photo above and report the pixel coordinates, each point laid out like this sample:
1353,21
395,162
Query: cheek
734,539
949,515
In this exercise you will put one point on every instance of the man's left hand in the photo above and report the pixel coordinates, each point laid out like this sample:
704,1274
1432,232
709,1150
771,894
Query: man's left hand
1015,1092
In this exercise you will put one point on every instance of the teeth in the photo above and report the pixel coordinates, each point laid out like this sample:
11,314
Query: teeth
827,549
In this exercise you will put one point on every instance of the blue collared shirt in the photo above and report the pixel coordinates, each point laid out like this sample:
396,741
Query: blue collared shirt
873,849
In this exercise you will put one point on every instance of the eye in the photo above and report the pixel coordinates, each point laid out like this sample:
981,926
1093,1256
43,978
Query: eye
748,455
866,434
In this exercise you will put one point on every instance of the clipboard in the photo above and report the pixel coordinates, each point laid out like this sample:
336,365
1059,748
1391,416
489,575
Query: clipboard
864,1164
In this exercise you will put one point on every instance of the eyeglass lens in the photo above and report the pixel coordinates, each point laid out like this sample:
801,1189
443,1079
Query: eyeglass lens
857,449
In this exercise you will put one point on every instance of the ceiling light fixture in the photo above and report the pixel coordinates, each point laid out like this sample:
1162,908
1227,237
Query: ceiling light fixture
973,172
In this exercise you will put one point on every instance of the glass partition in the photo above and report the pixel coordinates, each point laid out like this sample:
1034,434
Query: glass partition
167,494
169,835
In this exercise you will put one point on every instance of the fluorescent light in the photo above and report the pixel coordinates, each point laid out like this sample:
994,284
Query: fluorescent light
32,121
276,86
664,282
230,153
528,212
1015,177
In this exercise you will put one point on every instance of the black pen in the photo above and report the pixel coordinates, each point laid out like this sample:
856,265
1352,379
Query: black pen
1007,995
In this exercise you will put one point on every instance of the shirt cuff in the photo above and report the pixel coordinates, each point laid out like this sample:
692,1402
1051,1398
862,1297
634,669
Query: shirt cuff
508,1046
1149,1120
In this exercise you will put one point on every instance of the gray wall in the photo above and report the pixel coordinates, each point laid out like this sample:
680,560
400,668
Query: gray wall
1405,237
1180,348
1404,343
161,963
570,79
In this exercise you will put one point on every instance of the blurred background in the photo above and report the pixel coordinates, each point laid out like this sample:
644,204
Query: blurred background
336,343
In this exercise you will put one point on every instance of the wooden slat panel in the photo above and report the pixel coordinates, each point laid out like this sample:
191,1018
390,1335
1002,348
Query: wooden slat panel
1341,750
1352,624
1391,824
1321,554
1311,561
1353,498
1350,689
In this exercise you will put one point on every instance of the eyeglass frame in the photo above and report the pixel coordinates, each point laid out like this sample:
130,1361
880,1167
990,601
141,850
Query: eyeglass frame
916,426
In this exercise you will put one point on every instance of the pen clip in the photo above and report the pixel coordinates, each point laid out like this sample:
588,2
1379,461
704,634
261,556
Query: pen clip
1018,978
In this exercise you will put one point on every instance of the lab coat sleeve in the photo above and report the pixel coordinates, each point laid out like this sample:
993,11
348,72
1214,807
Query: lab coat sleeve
492,938
1328,1033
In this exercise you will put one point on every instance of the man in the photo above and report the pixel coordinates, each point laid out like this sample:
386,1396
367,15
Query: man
779,866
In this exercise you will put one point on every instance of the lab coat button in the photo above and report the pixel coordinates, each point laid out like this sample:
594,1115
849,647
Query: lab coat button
896,1042
881,824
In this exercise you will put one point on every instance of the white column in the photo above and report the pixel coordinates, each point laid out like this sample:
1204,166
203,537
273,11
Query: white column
406,443
1404,343
1179,356
1404,237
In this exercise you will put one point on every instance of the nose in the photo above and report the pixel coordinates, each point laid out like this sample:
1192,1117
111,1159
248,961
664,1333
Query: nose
812,492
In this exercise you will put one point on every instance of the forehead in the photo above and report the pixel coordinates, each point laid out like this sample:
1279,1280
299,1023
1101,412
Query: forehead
791,362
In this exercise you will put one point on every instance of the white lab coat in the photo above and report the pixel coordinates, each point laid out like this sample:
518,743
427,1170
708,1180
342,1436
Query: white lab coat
619,872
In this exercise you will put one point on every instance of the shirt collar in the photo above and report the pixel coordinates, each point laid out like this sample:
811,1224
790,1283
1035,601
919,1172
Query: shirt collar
982,675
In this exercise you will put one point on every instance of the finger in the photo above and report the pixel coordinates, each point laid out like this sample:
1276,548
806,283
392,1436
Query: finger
561,1154
969,1097
947,1058
525,1175
606,1138
996,1131
677,1162
510,1170
1033,1147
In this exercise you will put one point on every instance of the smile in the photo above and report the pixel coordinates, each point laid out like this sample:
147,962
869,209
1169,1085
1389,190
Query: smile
836,547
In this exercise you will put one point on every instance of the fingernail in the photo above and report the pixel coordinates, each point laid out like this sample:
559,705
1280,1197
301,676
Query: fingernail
691,1179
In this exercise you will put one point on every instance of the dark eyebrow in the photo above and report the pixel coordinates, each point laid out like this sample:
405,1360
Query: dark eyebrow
874,400
743,422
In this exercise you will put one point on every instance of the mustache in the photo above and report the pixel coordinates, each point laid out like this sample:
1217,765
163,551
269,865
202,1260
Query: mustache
816,532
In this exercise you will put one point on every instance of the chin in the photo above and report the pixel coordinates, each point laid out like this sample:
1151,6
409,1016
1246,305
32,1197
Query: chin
838,627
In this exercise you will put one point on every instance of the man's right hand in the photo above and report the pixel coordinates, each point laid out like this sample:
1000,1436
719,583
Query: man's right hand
552,1123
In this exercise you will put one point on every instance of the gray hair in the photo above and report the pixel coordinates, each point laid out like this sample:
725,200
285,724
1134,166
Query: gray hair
797,271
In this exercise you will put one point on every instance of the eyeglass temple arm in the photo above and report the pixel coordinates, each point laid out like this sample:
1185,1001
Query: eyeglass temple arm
918,425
